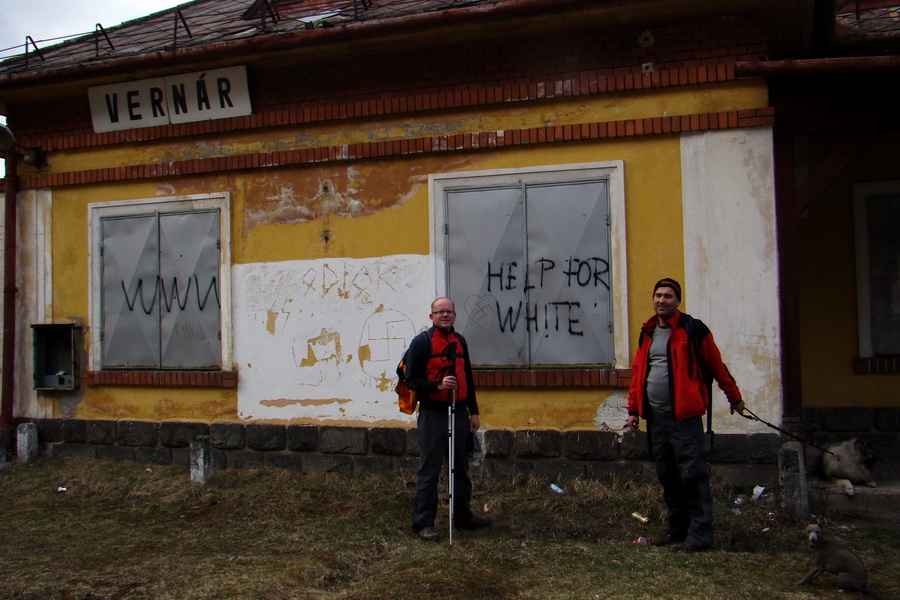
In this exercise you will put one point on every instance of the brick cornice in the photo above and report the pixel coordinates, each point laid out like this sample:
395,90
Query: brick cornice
402,102
434,144
876,365
224,379
537,378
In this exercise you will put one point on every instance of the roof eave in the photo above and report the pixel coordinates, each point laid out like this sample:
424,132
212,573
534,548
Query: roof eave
406,29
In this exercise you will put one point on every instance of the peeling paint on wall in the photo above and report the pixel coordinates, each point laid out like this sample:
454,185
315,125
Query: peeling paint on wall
613,412
270,322
283,402
320,339
299,196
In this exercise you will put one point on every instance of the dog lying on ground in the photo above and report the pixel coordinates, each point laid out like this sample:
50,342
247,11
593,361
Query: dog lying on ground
851,462
836,559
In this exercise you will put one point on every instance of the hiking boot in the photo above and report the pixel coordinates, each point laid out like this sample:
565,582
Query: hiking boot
428,534
664,539
688,548
475,523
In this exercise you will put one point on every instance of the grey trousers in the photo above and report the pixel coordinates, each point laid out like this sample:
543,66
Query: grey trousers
683,470
433,447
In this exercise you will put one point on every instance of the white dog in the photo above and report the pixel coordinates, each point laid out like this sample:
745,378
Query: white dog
851,462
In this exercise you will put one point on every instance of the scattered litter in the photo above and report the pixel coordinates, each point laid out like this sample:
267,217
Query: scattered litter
524,544
485,508
735,511
757,492
641,541
149,470
62,489
557,489
767,529
739,500
641,517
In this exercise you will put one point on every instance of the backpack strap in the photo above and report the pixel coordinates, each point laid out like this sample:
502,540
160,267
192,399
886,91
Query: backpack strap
403,366
427,335
695,340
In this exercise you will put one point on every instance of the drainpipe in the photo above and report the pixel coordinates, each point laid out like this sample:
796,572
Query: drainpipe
9,292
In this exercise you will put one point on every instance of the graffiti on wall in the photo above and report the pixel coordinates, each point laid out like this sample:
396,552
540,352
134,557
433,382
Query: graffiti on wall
172,295
560,315
320,339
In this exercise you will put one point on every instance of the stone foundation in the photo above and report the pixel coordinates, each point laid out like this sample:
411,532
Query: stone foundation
741,459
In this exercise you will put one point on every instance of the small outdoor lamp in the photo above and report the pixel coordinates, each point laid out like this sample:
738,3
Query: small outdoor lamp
33,157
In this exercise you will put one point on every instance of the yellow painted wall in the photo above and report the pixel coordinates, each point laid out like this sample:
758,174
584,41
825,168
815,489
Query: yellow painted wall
71,298
828,304
380,207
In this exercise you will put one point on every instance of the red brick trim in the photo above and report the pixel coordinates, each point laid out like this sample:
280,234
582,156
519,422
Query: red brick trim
620,378
436,144
876,365
530,378
405,102
224,379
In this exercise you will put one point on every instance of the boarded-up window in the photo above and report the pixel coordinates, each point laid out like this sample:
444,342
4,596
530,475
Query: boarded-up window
159,282
530,263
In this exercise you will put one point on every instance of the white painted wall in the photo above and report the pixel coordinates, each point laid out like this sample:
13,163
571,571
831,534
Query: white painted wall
731,263
320,339
34,298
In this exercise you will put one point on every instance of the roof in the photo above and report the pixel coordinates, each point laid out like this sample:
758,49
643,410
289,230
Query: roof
211,29
208,22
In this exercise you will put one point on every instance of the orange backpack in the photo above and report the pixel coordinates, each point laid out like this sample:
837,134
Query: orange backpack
406,398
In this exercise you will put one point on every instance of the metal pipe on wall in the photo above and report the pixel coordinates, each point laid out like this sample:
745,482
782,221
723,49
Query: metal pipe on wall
10,218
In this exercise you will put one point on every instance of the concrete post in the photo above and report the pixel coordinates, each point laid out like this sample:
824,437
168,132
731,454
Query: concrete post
26,442
792,481
201,459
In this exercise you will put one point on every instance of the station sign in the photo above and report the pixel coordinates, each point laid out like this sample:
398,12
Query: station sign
183,98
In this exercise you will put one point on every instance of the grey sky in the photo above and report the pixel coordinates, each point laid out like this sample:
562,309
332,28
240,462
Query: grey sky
46,20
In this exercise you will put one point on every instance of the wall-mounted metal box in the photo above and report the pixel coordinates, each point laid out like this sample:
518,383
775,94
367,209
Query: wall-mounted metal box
56,356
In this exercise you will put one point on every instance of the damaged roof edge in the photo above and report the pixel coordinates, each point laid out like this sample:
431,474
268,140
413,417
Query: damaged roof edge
302,39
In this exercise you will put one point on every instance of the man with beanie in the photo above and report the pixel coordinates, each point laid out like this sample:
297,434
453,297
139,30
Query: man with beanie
671,389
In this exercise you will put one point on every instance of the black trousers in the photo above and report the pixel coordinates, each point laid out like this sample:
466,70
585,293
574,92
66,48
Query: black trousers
433,448
683,470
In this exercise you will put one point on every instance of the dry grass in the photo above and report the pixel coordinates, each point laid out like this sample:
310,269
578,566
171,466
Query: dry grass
123,531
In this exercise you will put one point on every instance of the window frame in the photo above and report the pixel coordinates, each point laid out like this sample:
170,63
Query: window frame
861,193
611,171
97,211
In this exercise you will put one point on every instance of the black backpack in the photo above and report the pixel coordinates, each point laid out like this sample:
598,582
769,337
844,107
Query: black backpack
696,332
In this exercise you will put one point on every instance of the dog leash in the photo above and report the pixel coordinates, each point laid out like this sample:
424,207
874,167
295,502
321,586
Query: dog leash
787,433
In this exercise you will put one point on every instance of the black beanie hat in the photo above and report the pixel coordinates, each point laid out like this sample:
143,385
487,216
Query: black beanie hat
669,282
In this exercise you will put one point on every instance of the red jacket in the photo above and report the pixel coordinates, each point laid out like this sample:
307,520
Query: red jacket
689,378
428,364
439,364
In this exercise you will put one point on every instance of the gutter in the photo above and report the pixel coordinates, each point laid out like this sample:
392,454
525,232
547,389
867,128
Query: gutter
856,65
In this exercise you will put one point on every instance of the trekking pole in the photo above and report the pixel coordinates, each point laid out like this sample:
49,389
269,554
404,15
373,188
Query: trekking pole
451,456
451,416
